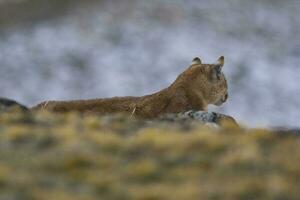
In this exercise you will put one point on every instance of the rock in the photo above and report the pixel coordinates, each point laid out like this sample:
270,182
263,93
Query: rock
7,104
208,118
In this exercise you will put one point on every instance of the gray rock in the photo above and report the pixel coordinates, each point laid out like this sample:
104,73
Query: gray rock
208,118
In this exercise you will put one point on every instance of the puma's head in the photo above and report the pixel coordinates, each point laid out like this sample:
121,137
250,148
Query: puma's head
206,81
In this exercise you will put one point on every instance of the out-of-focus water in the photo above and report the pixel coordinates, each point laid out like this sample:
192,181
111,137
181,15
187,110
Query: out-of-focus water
130,47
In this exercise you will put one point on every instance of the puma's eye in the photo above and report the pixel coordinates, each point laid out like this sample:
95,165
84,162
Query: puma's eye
219,74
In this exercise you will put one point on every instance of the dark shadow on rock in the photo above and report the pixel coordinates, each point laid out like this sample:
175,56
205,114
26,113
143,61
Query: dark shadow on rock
6,104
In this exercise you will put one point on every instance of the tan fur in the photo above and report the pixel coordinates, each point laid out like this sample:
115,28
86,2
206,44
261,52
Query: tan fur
193,89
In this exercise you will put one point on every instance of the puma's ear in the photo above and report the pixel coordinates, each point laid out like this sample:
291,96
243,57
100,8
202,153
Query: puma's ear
221,61
196,61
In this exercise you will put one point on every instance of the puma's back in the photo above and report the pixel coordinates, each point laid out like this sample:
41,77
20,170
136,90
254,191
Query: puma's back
105,105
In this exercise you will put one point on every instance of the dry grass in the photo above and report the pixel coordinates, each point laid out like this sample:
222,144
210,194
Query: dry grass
46,156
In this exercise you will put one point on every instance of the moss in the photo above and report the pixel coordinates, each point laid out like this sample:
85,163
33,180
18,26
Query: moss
72,156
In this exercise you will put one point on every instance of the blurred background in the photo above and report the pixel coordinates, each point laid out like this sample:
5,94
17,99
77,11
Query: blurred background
53,49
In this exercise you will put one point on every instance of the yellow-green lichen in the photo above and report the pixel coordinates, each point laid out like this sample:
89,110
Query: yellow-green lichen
70,156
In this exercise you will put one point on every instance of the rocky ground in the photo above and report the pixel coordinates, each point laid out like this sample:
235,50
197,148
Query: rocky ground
47,156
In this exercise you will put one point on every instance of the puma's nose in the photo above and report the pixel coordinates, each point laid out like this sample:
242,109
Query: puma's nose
225,97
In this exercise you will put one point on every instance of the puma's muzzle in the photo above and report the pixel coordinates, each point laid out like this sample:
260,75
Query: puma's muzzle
222,100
